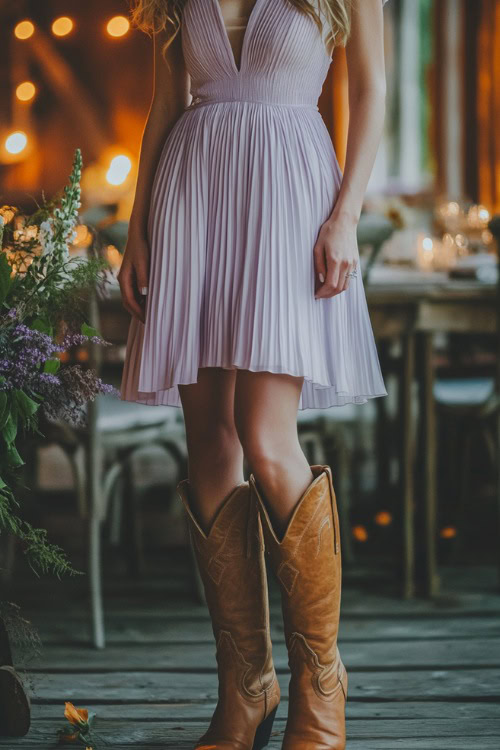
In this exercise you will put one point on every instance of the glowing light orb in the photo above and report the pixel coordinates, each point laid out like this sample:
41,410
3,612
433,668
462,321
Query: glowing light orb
449,532
16,142
25,91
383,518
62,26
118,170
24,29
118,26
360,533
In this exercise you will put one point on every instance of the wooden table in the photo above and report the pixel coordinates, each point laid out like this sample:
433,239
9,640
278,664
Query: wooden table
413,306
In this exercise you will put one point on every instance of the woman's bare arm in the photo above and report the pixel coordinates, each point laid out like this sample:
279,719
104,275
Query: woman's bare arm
336,252
170,97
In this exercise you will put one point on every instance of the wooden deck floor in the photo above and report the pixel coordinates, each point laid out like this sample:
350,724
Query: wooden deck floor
423,676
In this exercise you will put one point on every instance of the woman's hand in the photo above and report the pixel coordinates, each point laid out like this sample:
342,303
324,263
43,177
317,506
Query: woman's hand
335,256
133,276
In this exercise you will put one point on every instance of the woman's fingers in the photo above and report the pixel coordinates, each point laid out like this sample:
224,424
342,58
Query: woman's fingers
319,265
345,269
130,291
337,278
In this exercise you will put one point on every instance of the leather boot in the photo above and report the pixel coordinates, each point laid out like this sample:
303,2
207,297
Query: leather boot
308,567
232,568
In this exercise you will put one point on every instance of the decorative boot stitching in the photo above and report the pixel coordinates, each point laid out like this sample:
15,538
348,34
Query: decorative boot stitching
333,503
326,520
318,670
225,635
288,575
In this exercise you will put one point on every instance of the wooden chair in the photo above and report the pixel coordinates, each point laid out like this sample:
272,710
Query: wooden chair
115,433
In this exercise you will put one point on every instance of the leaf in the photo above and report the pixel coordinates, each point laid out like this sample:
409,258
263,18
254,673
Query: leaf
5,278
43,326
14,460
4,408
25,405
9,430
52,366
89,331
2,484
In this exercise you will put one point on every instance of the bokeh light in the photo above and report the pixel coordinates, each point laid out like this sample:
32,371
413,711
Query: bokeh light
118,26
83,236
62,26
24,29
16,142
118,170
383,518
360,533
448,532
25,91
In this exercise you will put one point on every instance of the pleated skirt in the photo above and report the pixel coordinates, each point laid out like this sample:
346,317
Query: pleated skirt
239,196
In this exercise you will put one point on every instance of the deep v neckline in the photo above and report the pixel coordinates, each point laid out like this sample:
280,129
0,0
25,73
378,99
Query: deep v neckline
225,36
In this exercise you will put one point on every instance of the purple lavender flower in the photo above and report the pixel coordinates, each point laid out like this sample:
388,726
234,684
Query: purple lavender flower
76,388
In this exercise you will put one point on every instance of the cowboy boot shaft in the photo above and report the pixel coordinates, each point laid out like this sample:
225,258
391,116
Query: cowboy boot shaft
232,568
231,564
307,564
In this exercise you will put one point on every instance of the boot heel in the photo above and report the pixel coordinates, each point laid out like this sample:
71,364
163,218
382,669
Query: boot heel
264,730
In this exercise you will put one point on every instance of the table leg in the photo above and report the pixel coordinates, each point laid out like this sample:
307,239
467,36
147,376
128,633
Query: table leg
428,416
407,466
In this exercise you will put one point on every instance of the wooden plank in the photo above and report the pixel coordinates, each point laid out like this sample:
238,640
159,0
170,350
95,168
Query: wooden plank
382,656
356,710
157,687
356,602
157,734
177,740
139,630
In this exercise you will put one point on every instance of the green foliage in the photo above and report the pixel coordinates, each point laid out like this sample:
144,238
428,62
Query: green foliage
5,280
43,288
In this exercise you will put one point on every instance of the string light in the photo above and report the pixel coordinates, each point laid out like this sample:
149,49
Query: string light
118,26
24,30
25,91
62,26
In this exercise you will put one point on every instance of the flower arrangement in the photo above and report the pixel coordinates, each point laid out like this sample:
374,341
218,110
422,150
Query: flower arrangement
43,298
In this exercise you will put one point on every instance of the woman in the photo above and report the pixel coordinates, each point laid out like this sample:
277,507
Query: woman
240,273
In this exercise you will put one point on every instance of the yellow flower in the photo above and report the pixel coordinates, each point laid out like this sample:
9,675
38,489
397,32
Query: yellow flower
76,716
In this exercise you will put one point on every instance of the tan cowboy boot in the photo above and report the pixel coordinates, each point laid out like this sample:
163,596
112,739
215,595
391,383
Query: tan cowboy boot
232,568
308,567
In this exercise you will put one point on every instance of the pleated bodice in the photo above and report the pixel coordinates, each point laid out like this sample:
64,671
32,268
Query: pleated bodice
284,59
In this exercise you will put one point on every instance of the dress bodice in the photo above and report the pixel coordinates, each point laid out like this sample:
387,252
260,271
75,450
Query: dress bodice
284,59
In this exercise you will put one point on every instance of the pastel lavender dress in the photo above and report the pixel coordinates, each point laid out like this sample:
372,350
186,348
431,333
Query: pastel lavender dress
246,178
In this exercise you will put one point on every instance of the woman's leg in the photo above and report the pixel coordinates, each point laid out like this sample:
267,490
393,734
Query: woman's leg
265,413
305,557
215,455
231,563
